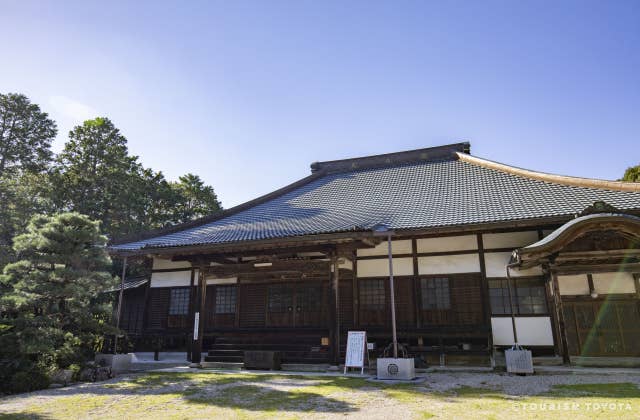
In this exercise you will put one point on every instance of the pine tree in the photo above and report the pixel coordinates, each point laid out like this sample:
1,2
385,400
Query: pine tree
50,311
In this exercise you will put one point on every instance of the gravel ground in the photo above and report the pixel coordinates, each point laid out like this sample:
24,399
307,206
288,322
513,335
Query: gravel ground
520,385
372,402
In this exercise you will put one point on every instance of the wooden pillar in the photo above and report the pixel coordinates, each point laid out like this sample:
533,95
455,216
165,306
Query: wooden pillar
354,288
192,305
199,316
416,284
486,301
335,309
562,336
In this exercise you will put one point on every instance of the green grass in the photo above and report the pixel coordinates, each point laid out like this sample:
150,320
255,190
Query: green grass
248,396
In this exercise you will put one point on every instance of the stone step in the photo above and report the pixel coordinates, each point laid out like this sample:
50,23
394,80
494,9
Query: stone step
224,359
305,367
222,365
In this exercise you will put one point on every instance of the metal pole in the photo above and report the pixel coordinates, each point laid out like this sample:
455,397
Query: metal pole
393,299
124,271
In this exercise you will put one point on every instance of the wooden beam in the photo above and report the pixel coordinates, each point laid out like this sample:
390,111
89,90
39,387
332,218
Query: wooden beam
287,266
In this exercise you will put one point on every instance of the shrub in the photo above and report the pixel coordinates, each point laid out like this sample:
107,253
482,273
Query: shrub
26,381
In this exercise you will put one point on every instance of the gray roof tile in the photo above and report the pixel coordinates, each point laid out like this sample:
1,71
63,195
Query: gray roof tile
403,196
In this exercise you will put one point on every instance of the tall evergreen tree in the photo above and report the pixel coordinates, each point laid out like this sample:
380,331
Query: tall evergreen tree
95,175
632,174
25,135
193,199
25,153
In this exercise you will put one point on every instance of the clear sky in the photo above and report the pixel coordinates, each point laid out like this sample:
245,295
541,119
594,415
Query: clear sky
248,94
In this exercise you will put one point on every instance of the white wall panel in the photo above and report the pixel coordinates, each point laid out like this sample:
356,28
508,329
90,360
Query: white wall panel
509,239
496,263
574,285
228,280
532,331
171,279
448,243
380,267
621,282
397,247
161,264
348,264
502,331
448,264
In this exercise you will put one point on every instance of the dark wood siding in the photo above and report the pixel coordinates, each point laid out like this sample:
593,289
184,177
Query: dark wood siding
346,303
405,306
252,305
158,308
132,315
466,302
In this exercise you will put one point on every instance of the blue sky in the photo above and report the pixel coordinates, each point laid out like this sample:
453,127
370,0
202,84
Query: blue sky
248,94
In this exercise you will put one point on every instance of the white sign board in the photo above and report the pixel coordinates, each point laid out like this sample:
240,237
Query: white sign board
356,350
196,324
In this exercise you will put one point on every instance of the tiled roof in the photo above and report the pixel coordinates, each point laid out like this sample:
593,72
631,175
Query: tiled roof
427,191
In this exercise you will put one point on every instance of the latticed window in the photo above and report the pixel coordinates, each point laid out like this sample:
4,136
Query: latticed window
280,298
499,297
529,297
179,302
372,294
435,293
226,299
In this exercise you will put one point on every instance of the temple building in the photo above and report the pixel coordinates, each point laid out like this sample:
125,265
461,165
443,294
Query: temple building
483,255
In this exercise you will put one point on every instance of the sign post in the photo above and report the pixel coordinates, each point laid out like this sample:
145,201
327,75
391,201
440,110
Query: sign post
356,350
196,325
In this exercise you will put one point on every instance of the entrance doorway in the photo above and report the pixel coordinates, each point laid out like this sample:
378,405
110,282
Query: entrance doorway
296,305
603,328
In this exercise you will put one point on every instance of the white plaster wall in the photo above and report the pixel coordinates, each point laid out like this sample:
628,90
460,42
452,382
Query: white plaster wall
496,262
621,282
397,247
171,279
448,264
229,280
380,267
532,331
577,284
348,264
448,243
502,331
509,239
161,264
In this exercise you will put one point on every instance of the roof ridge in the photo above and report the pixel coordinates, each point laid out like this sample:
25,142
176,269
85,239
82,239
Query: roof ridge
548,177
428,154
